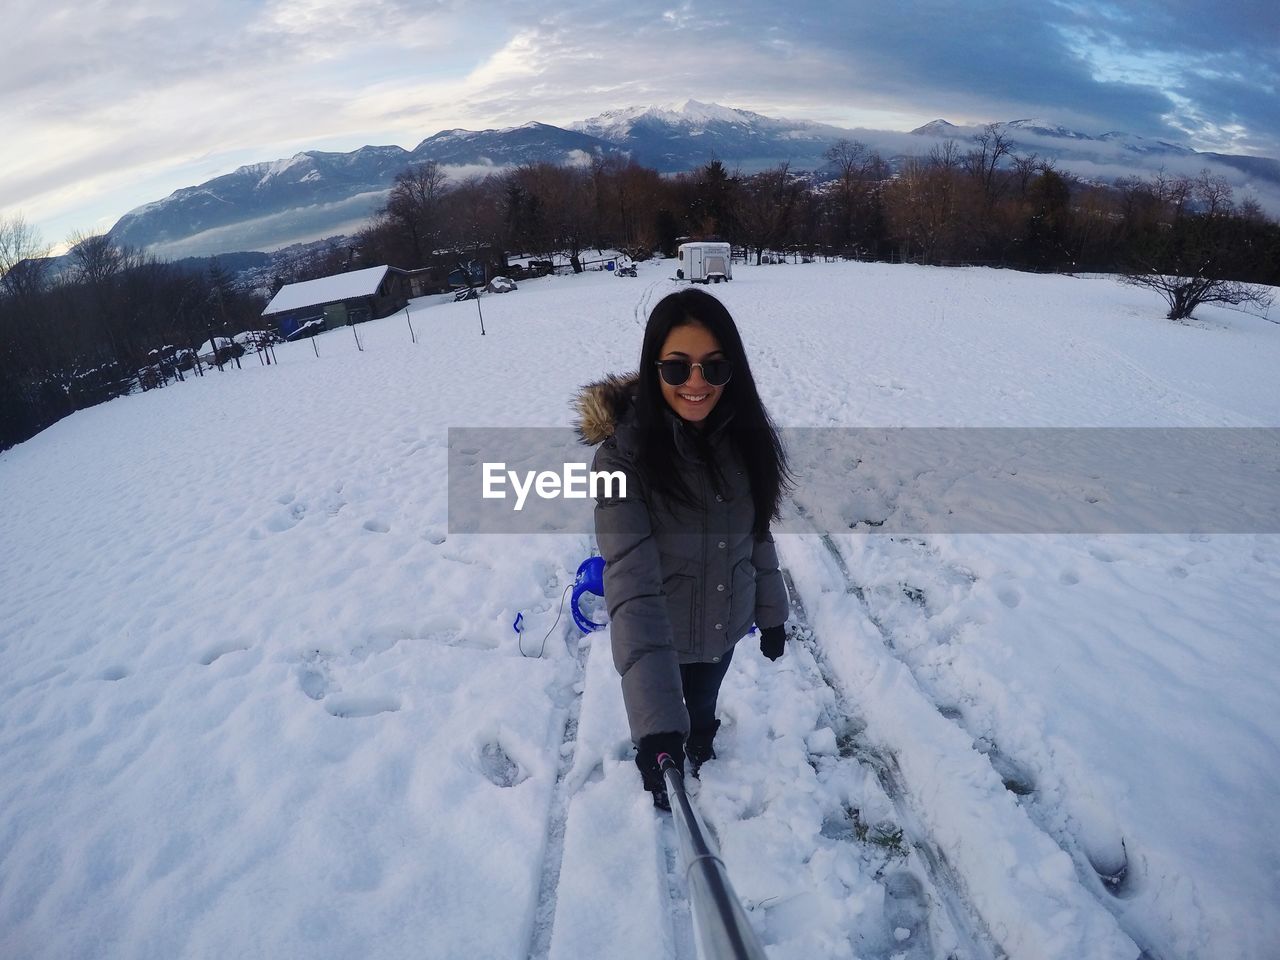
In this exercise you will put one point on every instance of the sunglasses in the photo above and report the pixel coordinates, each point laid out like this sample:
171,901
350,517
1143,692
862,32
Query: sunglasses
676,373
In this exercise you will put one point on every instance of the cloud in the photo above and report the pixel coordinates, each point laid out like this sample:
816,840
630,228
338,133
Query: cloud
102,93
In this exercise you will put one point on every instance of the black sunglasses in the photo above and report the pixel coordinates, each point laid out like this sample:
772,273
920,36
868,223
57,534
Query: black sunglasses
677,372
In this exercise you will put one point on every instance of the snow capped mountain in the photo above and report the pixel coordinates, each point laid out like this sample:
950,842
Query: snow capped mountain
937,128
1137,144
680,136
315,194
1038,131
309,179
1045,128
691,115
527,143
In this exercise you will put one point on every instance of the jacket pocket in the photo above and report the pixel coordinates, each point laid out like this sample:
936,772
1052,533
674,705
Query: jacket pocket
682,598
742,602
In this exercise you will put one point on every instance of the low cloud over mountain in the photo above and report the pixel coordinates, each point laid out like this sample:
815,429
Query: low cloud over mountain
314,194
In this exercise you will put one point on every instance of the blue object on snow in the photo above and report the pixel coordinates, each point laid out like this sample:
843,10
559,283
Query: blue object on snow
590,579
516,623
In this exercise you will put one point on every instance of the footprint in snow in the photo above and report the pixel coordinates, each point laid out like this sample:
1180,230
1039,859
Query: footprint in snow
332,502
313,675
498,768
1016,778
313,683
280,521
114,673
1010,596
1119,873
377,526
219,650
906,914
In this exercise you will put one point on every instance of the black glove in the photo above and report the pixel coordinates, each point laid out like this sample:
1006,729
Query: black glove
773,641
647,752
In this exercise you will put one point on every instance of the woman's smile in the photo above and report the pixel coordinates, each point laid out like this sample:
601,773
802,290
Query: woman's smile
694,399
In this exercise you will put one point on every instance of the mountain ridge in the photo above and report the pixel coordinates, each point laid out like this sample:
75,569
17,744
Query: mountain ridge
318,193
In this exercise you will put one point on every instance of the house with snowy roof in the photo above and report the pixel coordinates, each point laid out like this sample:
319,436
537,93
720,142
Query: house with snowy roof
339,300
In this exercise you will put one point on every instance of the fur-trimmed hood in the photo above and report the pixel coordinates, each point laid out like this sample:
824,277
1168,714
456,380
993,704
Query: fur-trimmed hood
601,406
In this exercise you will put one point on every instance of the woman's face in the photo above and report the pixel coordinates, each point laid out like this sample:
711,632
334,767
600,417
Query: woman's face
694,399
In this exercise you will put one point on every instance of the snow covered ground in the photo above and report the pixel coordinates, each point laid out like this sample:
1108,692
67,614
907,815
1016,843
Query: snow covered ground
257,701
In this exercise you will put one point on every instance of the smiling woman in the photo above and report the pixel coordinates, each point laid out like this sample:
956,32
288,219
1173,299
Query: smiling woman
690,563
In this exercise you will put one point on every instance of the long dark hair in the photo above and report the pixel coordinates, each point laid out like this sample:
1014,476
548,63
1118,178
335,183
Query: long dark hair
749,427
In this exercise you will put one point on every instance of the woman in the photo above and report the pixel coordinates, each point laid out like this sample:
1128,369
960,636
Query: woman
689,560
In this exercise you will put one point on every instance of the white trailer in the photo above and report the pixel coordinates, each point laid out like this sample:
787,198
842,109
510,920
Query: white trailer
704,262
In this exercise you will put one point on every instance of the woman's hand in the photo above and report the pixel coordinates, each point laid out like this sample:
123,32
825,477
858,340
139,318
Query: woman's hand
773,641
648,750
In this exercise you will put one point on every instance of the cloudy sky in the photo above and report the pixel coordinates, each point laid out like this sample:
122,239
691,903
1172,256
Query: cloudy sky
107,104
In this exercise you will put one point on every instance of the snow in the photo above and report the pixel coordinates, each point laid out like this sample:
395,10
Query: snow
692,115
357,283
257,700
217,343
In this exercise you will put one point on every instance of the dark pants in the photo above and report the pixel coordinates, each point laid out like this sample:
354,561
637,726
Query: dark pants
701,682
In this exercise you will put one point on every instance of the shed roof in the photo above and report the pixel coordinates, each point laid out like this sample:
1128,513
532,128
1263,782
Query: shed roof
316,293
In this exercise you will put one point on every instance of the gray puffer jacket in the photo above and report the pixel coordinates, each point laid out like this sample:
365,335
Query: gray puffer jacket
682,585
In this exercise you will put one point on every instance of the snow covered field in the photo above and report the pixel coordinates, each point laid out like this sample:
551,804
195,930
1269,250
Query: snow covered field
257,701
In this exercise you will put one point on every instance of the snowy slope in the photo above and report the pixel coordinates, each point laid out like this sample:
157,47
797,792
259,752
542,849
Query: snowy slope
257,701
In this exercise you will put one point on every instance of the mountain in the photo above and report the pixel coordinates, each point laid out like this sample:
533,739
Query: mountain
1063,138
529,143
688,134
937,128
317,194
314,194
1111,154
308,179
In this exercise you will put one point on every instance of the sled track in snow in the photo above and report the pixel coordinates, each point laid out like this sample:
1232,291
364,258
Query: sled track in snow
1110,886
544,914
968,925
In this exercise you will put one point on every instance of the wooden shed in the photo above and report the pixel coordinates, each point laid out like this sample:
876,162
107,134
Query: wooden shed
339,300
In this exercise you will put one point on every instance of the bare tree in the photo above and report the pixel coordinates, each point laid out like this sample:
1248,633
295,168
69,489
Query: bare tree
414,205
1173,191
1251,211
850,158
18,241
767,211
1213,193
946,156
922,207
1185,294
1025,169
23,258
858,175
993,144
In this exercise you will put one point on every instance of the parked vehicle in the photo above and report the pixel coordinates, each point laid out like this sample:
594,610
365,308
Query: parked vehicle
704,261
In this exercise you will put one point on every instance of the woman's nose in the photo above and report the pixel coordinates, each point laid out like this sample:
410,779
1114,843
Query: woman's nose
696,378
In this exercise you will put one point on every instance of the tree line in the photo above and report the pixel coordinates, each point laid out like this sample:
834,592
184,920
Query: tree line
980,202
86,333
107,320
